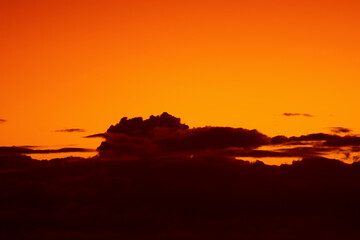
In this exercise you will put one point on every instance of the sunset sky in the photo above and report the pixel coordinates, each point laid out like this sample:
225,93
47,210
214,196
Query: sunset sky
86,64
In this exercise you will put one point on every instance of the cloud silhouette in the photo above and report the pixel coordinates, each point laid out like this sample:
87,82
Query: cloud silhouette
211,138
315,137
164,180
28,150
344,141
165,134
299,152
322,139
97,135
2,121
297,114
71,130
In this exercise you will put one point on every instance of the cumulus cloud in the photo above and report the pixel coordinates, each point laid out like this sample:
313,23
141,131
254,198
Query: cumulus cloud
165,134
70,130
297,114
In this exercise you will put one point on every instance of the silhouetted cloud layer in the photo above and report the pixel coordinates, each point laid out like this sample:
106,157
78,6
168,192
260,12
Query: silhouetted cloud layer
159,179
28,150
71,130
344,141
299,152
297,114
323,139
165,134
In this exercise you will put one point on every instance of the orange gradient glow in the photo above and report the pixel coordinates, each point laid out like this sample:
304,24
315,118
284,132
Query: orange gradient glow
85,64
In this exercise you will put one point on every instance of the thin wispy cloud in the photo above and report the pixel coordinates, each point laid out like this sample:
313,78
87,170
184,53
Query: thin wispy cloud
97,135
340,130
70,130
32,150
2,120
297,114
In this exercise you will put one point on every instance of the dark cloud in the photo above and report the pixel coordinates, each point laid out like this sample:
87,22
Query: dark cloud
297,114
165,134
323,139
210,138
303,139
153,127
279,139
299,152
338,130
27,150
71,130
2,120
315,137
344,141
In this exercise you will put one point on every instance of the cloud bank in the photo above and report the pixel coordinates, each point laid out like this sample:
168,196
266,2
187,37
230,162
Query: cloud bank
165,134
28,150
160,179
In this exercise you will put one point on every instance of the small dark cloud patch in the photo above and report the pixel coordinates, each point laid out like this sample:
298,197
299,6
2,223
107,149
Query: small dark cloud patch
97,135
339,130
297,114
2,120
71,130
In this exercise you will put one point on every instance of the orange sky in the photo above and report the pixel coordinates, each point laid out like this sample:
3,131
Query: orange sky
85,64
